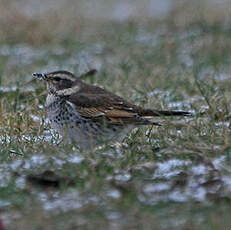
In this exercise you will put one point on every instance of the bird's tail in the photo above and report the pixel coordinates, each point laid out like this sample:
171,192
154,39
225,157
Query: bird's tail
150,112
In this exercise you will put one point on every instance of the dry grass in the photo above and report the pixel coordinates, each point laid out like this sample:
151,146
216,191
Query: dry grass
172,177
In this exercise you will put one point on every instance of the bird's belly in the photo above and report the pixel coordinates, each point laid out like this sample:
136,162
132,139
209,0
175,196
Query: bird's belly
84,132
88,134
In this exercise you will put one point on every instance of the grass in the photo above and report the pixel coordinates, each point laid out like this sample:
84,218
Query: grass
176,176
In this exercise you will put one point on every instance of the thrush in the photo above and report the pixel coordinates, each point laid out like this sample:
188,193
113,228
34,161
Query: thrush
87,114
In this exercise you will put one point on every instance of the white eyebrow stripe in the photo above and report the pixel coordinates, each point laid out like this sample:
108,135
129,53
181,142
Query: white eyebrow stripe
60,75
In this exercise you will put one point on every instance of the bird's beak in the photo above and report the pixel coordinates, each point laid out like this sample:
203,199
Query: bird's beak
41,76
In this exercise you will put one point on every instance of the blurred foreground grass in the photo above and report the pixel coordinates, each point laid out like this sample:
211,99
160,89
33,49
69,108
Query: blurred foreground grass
172,177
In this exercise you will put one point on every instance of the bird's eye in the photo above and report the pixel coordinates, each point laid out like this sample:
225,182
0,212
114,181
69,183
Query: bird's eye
57,78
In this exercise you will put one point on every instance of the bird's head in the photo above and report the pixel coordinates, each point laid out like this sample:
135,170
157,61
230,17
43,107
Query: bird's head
60,82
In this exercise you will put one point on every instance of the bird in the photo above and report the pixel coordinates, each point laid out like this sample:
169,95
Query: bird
88,115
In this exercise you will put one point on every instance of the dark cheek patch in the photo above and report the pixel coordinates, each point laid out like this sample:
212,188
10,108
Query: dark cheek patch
64,84
59,85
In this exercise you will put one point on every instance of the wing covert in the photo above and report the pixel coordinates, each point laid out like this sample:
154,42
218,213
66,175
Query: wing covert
101,106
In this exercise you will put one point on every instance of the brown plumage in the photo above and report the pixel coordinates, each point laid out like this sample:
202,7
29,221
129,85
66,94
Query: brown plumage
92,106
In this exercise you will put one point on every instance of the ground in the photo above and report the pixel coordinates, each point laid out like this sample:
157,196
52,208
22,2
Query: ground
176,176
